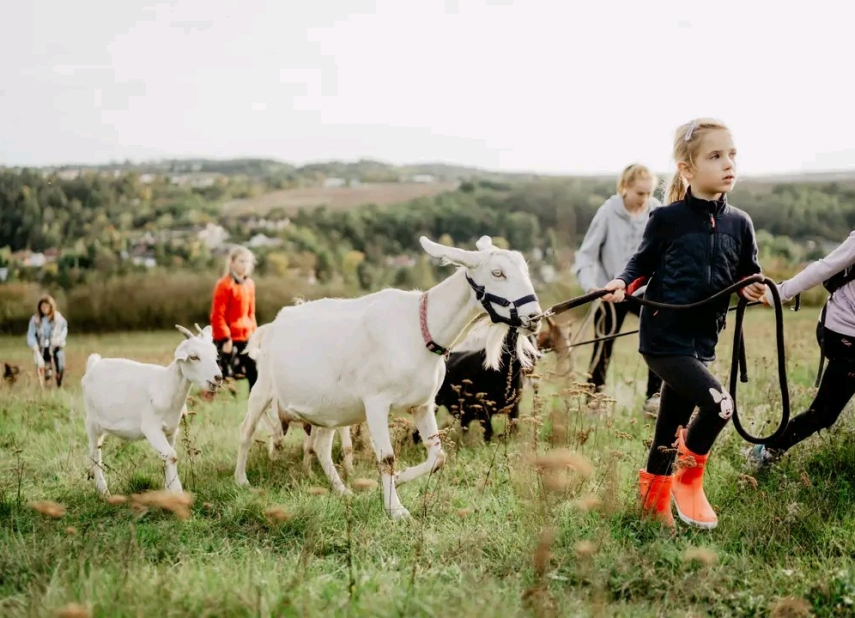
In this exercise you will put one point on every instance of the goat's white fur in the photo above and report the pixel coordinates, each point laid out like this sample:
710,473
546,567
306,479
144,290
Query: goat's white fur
338,362
315,442
134,400
491,338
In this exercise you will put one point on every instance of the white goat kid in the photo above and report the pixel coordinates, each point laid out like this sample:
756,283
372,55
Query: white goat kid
134,400
339,362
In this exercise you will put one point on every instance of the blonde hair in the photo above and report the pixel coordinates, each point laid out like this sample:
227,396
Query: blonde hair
236,252
687,140
631,173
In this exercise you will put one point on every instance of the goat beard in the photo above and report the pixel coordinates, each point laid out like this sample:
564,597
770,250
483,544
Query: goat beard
493,339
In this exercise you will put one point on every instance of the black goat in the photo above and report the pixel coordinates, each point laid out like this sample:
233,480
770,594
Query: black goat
471,392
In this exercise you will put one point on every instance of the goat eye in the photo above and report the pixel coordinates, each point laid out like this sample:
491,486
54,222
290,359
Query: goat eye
498,274
194,357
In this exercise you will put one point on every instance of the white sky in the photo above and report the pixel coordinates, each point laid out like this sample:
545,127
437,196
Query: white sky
556,87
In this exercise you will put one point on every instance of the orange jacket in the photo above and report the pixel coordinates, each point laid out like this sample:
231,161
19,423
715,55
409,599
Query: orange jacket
233,309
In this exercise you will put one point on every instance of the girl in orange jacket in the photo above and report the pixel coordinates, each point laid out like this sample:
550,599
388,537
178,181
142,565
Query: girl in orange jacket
233,315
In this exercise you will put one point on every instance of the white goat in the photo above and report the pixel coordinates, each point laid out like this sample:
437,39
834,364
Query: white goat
338,362
134,400
278,421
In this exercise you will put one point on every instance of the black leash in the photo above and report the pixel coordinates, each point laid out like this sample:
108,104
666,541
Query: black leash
738,359
634,332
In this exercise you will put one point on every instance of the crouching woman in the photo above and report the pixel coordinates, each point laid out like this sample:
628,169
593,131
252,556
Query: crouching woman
46,337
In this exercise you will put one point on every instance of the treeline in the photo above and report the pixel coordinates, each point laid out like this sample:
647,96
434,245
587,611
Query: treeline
94,219
39,212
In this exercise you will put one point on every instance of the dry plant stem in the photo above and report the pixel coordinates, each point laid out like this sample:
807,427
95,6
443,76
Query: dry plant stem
351,587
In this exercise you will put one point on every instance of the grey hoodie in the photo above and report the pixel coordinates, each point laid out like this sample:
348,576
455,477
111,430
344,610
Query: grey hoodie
610,242
840,315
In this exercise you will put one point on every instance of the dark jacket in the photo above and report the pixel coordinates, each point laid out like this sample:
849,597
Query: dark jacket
691,249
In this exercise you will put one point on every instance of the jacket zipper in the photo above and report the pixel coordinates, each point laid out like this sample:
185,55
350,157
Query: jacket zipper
712,249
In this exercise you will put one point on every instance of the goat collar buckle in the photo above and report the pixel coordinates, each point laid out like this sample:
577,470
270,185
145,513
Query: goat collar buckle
486,299
430,344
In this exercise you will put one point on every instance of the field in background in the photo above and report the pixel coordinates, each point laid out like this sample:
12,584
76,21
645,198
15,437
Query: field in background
337,198
490,535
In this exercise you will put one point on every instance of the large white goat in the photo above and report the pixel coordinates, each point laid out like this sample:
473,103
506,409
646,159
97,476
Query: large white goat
134,400
278,420
338,362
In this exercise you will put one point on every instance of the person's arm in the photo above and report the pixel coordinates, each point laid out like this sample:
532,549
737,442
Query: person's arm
749,265
587,258
32,340
60,332
252,307
643,263
218,310
817,272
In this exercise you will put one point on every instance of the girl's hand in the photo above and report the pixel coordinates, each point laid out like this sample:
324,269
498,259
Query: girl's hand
754,292
227,347
617,287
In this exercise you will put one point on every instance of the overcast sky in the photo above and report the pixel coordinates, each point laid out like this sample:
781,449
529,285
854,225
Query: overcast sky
555,87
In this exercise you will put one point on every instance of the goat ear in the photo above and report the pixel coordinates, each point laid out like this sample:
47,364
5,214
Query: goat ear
207,333
484,243
181,354
187,334
450,255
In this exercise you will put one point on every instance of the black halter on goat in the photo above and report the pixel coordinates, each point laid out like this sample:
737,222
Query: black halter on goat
487,299
738,361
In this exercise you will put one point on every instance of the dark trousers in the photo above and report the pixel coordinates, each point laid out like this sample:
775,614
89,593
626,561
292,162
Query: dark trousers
835,391
603,323
237,365
54,357
687,384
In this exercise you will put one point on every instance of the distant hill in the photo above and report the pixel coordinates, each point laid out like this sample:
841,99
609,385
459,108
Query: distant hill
364,170
336,198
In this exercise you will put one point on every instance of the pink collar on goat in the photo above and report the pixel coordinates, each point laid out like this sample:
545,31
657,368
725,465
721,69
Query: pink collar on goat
430,344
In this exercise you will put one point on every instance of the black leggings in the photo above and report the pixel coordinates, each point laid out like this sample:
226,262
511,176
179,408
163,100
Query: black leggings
688,383
603,317
235,364
835,391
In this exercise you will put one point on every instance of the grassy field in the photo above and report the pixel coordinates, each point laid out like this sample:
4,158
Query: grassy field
489,535
337,198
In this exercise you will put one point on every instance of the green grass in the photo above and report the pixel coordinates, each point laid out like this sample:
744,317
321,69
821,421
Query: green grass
471,547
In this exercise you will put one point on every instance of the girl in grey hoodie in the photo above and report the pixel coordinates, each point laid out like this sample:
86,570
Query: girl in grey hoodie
837,340
612,239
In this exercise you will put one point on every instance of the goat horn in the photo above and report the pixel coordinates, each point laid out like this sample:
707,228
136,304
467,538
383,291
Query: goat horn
197,327
187,334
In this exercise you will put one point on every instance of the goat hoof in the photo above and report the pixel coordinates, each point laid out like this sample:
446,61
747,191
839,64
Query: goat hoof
242,481
399,513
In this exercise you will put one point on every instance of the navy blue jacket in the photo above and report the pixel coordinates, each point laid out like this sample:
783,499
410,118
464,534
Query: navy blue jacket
691,249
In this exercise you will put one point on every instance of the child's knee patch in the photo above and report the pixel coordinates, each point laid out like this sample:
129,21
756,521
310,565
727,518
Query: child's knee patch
724,402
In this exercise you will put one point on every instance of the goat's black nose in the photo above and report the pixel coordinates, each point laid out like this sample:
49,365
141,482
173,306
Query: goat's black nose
218,377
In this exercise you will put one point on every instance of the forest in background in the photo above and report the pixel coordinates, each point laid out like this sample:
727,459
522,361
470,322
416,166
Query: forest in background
137,246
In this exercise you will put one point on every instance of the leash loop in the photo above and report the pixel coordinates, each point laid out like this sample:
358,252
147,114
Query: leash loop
738,358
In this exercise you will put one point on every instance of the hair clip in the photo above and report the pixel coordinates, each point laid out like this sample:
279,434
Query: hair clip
690,130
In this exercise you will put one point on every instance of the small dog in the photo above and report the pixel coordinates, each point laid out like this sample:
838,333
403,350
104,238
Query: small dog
10,373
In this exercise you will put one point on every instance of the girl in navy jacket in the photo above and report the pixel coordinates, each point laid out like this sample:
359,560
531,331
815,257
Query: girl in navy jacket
696,246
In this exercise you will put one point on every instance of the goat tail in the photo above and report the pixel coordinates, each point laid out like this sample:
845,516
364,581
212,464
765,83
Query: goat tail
253,346
90,362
